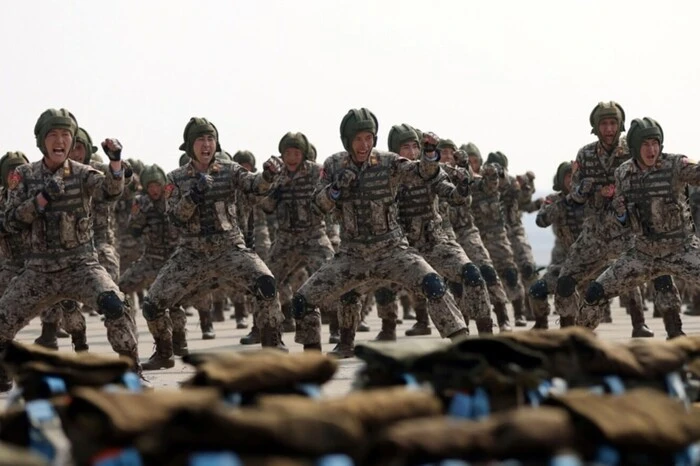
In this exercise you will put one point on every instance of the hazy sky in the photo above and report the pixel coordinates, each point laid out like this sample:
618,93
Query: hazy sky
516,76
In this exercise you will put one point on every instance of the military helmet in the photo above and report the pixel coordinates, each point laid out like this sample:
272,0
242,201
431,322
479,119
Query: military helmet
136,165
223,157
184,160
447,143
499,158
54,119
10,161
97,158
562,170
311,154
83,137
294,140
356,121
153,174
245,156
401,134
607,110
641,129
195,128
471,149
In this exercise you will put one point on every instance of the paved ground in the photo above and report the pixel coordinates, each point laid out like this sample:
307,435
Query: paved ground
227,339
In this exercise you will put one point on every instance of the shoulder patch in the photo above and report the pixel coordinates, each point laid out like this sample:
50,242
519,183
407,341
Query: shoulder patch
14,179
168,190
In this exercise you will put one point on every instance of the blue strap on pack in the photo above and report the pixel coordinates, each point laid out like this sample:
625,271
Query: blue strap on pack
410,380
474,407
40,413
310,390
56,385
215,459
676,389
614,384
565,460
233,399
126,457
689,456
537,395
335,460
607,455
132,382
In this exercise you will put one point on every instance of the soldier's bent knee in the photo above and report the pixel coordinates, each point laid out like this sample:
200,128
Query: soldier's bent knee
566,286
384,296
433,286
595,294
300,307
663,284
539,290
266,287
471,275
150,311
489,274
110,305
510,276
350,298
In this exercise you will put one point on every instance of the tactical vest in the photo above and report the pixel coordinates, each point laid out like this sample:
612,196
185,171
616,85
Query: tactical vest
13,246
160,236
368,212
570,225
590,166
488,211
659,208
66,223
295,211
419,215
216,215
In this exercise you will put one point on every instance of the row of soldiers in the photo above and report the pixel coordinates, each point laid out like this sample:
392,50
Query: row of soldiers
427,218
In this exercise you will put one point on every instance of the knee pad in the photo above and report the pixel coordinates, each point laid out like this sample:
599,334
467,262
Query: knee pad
266,287
384,296
433,286
456,288
300,307
663,284
510,276
150,311
595,293
528,271
471,275
566,286
538,290
110,305
350,298
489,275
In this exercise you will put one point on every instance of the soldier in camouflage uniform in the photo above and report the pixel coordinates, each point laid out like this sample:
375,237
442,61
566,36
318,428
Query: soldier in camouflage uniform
421,222
52,199
13,247
601,239
362,184
301,244
650,201
201,199
462,221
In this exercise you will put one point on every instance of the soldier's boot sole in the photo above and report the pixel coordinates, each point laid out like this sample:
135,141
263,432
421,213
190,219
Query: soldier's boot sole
541,323
484,326
180,344
419,329
459,334
48,339
520,321
364,327
60,333
253,337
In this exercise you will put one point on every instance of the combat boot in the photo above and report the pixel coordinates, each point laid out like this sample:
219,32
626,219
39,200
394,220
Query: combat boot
271,337
541,323
422,325
520,320
363,326
162,357
217,312
639,326
484,326
253,337
673,325
407,307
240,313
502,317
48,339
567,321
60,333
180,343
607,314
206,325
346,345
334,328
289,325
529,313
388,332
313,347
79,340
459,334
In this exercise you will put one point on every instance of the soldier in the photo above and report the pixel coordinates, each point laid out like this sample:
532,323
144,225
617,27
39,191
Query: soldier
601,239
650,201
51,198
13,247
301,243
362,184
212,254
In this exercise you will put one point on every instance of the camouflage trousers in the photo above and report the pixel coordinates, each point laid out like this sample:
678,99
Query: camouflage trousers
34,290
524,259
501,252
449,260
262,242
292,252
636,267
7,273
347,271
129,250
141,274
470,240
191,274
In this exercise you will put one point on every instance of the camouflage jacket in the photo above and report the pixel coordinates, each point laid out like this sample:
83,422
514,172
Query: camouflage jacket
150,221
13,246
489,212
565,216
61,234
104,219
